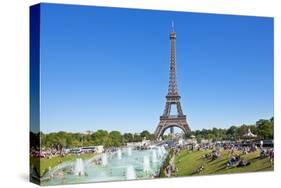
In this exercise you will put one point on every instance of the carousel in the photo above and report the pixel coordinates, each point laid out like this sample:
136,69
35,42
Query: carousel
249,139
249,135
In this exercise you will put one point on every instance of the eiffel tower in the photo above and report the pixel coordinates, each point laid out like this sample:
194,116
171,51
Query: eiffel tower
173,98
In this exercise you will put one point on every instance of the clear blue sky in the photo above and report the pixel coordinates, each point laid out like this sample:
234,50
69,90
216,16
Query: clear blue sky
107,68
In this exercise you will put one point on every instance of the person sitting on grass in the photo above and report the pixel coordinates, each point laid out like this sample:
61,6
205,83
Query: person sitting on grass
216,154
199,170
230,162
234,160
263,153
253,148
207,156
245,150
243,163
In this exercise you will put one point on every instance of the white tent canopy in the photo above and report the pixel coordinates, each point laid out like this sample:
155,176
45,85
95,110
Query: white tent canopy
249,134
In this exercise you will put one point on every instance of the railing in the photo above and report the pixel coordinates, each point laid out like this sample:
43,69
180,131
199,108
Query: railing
174,116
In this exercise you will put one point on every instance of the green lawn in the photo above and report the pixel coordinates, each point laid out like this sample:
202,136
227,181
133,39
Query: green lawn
54,161
187,162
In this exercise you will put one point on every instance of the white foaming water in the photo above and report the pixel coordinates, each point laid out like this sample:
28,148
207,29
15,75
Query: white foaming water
154,157
129,151
112,169
119,154
130,173
160,152
79,167
163,149
146,164
104,159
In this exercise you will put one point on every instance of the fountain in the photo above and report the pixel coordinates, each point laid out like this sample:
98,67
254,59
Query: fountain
104,159
142,164
160,152
79,167
129,151
163,149
154,157
119,154
130,173
146,163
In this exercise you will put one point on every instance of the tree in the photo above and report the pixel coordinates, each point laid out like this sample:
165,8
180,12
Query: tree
100,137
116,138
232,133
128,137
137,137
265,129
242,130
145,134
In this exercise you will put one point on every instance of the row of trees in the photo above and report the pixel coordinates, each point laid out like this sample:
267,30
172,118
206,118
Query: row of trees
62,139
262,128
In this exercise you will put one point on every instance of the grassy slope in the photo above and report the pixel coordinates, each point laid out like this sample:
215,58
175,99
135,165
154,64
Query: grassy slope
187,162
46,163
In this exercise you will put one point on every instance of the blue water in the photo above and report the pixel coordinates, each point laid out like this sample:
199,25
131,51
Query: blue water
141,164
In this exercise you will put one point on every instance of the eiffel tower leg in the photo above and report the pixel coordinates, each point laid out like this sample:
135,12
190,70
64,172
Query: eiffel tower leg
157,133
179,109
167,110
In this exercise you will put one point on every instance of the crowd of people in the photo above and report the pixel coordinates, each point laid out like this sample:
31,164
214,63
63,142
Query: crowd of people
48,153
215,154
171,167
237,153
267,153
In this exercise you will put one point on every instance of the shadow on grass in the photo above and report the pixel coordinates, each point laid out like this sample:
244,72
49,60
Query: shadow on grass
222,167
256,159
268,168
214,162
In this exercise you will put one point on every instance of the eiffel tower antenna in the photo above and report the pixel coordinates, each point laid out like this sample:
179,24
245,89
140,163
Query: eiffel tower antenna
173,26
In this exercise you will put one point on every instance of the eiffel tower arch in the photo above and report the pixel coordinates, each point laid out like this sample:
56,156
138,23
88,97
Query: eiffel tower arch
173,98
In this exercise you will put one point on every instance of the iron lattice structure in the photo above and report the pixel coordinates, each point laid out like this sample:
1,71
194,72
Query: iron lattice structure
173,98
